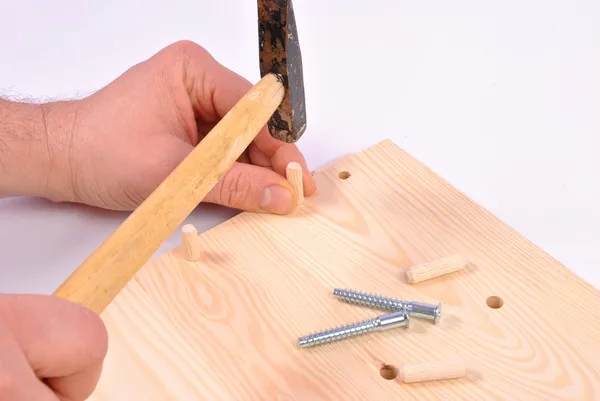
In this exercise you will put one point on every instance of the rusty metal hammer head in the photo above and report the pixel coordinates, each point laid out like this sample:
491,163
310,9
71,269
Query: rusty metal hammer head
279,52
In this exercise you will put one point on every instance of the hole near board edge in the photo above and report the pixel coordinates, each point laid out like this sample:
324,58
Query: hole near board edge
494,302
388,372
344,175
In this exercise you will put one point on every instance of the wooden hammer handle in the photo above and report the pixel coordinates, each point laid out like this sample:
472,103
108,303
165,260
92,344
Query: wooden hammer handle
108,269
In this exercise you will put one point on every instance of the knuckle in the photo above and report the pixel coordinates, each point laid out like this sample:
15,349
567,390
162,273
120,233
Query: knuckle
188,48
236,190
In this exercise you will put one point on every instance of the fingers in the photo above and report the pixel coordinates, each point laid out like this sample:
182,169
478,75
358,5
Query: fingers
280,153
279,160
257,157
62,342
245,186
17,381
77,386
287,154
216,89
253,188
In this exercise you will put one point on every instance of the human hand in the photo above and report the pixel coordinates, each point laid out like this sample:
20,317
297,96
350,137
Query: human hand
50,349
121,142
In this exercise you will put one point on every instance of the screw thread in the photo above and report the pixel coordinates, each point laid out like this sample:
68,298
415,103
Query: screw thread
419,309
371,300
339,333
383,322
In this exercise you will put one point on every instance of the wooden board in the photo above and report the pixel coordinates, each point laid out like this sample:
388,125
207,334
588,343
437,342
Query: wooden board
225,327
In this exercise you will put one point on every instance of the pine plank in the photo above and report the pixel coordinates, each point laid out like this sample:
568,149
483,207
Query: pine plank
225,327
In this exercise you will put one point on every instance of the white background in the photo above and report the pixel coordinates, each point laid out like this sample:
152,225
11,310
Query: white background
501,98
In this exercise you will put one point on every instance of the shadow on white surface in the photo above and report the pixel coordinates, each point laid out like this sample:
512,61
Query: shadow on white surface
42,242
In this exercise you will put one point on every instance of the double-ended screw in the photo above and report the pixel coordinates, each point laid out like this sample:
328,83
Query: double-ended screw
399,317
416,309
380,323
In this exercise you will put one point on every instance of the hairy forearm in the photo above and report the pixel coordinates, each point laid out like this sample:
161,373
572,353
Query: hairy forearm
33,142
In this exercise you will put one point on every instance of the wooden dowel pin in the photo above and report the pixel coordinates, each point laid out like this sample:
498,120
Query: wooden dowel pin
429,270
190,242
294,177
429,371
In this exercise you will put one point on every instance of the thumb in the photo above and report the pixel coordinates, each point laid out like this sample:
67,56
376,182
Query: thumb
253,188
63,343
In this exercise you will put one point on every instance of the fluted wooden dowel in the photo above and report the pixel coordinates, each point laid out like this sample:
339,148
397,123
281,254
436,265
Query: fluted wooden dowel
430,371
190,242
436,268
294,177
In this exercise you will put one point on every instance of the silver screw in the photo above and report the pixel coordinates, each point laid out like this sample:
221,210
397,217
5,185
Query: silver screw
418,309
385,322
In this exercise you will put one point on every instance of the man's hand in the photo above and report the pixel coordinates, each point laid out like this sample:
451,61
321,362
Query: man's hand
113,148
50,349
130,135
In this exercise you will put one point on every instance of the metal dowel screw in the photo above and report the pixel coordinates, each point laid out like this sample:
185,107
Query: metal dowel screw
417,309
384,322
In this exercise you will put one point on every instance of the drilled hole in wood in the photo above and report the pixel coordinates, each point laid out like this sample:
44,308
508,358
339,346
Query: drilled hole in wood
388,372
344,175
494,302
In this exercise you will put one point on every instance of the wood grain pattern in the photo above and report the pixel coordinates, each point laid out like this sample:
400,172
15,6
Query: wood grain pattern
433,370
110,267
225,327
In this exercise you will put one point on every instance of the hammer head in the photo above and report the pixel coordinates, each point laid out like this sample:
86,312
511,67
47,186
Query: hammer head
279,53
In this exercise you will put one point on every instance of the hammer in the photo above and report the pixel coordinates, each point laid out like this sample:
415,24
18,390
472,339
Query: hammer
277,100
